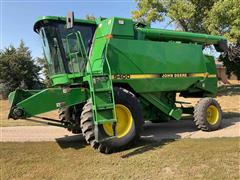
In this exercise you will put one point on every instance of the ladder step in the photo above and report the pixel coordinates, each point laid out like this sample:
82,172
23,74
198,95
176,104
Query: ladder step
107,120
105,106
103,89
100,75
101,78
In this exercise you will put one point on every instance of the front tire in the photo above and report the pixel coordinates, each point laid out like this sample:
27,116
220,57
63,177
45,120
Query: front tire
129,123
208,114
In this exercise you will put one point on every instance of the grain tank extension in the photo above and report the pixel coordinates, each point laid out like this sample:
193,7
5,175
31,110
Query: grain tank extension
110,75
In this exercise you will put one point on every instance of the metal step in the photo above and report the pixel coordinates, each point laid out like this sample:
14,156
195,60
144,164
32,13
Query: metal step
107,120
103,98
105,106
103,89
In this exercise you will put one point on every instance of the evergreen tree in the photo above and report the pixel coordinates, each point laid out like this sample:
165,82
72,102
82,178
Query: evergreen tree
18,69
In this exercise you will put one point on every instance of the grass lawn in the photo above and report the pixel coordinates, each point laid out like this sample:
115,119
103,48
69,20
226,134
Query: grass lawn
216,158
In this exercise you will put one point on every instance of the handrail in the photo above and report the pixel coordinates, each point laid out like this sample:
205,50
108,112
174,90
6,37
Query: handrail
91,74
110,77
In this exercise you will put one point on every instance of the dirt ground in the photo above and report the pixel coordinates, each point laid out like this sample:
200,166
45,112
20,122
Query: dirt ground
230,105
19,130
155,131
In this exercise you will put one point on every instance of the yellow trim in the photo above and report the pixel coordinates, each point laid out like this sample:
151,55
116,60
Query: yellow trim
212,76
212,115
124,122
163,75
143,76
199,75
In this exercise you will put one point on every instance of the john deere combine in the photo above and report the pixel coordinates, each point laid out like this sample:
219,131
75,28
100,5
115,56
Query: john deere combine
110,75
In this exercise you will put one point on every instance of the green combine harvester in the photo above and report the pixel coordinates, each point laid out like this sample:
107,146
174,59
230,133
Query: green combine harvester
110,75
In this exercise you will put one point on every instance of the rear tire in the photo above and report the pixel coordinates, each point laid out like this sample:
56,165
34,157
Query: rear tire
207,114
125,100
71,115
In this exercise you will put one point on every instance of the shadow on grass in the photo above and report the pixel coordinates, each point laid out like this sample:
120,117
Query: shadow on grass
230,119
145,145
74,142
231,114
155,135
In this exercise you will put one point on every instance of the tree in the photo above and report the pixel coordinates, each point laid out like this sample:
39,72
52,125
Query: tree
90,17
231,60
216,17
44,71
17,68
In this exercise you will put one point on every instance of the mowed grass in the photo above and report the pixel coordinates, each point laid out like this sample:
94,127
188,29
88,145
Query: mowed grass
216,158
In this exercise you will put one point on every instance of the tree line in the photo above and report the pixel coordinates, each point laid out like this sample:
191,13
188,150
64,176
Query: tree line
217,17
18,69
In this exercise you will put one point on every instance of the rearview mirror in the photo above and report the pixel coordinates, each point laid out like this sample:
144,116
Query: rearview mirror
70,19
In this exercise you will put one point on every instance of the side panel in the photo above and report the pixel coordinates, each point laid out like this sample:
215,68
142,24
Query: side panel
154,57
150,66
114,27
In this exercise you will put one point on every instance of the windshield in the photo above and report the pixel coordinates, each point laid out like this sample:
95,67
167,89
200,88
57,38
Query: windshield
51,50
55,46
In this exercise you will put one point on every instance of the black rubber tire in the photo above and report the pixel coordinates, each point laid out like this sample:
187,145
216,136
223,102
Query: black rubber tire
200,114
122,96
87,125
67,115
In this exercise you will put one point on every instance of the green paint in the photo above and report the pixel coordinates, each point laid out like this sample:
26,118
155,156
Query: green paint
98,55
46,100
165,35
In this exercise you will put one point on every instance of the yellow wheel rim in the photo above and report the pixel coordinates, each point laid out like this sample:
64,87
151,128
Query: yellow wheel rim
124,122
212,115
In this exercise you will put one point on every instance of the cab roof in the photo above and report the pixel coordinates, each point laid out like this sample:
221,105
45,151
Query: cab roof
45,19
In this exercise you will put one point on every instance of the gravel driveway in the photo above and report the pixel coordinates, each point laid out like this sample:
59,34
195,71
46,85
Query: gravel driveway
168,130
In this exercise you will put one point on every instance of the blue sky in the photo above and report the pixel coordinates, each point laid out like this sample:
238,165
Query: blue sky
18,17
